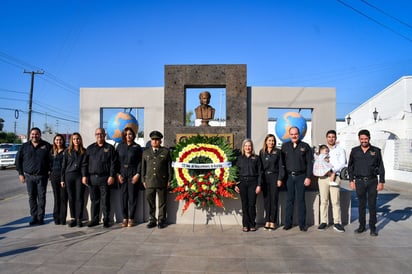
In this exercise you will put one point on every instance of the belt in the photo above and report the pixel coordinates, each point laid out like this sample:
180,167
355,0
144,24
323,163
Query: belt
34,174
296,173
248,178
365,178
100,175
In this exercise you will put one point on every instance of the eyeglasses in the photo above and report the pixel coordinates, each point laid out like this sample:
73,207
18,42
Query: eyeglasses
98,134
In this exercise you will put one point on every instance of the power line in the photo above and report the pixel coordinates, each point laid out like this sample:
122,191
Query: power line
375,21
57,117
13,91
42,113
49,77
387,14
53,110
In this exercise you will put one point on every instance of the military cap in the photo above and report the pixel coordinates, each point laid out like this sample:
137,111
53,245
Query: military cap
156,135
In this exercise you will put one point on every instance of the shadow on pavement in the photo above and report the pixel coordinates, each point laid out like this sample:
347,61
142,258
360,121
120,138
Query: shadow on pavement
22,223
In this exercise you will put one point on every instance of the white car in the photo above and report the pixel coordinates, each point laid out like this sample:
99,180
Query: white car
4,147
8,158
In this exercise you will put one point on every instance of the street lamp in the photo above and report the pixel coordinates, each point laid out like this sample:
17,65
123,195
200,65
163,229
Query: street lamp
348,119
375,115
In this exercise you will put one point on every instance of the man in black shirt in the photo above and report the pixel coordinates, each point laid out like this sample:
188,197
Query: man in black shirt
296,166
33,166
101,170
364,166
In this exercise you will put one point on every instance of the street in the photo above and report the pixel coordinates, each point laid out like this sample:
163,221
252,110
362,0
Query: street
9,184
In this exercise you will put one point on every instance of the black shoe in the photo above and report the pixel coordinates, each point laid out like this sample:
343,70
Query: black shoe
93,223
161,225
72,223
360,229
287,227
34,221
338,228
41,222
303,228
79,223
151,224
322,226
374,233
106,224
57,222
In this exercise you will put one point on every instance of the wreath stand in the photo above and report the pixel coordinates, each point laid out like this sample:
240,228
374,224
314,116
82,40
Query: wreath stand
207,218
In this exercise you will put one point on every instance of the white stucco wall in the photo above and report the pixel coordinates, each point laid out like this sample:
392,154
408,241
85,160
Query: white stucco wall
394,121
93,99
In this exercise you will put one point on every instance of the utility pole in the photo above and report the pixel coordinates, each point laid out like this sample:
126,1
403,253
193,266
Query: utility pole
31,98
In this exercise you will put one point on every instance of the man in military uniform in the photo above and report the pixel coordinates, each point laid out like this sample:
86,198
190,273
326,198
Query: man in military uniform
156,177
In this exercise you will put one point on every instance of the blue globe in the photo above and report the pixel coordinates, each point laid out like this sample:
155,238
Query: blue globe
118,122
288,120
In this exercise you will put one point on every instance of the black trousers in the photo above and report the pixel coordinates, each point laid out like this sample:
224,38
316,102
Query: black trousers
36,188
151,200
100,198
271,197
75,190
367,191
129,193
295,188
248,197
60,198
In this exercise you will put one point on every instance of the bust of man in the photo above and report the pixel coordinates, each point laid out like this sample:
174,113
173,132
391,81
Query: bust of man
204,111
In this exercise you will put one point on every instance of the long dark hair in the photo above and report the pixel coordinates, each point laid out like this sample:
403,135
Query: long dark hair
265,146
125,130
55,148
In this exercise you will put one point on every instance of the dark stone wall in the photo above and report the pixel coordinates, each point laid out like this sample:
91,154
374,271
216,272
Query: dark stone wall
179,77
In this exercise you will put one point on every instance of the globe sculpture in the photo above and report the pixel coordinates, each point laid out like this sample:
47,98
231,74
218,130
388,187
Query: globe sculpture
288,120
118,122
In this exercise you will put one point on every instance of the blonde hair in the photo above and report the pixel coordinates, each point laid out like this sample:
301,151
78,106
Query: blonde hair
243,144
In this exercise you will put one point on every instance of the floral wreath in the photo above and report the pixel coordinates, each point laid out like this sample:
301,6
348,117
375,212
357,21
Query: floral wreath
203,171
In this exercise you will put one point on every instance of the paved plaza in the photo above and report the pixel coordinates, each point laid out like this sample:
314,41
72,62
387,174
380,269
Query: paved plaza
211,248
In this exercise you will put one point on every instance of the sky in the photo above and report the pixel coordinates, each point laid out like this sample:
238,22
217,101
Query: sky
358,47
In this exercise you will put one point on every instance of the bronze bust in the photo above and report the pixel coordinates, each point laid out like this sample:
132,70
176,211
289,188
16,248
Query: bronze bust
204,111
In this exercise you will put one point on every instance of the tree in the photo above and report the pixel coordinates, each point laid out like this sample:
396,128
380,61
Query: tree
189,121
1,124
9,137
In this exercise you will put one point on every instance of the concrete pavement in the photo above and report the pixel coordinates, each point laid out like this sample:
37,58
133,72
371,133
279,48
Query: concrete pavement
208,248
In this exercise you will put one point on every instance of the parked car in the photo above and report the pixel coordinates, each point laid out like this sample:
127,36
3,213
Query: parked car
4,147
8,158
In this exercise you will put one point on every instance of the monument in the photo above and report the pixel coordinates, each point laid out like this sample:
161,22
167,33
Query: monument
180,77
204,111
246,117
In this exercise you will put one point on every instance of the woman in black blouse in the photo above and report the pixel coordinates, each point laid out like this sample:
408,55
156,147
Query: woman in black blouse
73,160
130,160
270,155
59,192
249,175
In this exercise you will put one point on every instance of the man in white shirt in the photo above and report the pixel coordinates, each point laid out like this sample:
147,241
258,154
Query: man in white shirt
338,160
